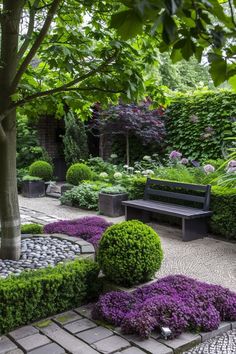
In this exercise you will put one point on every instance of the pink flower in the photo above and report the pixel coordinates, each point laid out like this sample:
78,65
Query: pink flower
209,168
184,161
175,155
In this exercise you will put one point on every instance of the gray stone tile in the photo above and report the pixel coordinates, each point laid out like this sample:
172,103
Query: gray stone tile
184,342
223,327
111,344
66,340
233,325
80,325
132,350
51,348
23,332
32,342
66,317
6,345
85,310
95,334
15,351
150,345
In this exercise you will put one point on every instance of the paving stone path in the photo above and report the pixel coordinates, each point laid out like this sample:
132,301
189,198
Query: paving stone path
75,332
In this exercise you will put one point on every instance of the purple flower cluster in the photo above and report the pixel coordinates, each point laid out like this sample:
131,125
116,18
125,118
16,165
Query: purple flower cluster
177,302
89,228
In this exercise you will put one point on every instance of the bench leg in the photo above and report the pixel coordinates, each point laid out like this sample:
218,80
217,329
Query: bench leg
193,229
136,214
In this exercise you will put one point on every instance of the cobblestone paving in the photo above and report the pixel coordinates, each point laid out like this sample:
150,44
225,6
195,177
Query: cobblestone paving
224,344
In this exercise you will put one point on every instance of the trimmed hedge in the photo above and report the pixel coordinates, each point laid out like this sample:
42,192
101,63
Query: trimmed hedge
37,294
77,173
31,229
223,205
197,125
129,253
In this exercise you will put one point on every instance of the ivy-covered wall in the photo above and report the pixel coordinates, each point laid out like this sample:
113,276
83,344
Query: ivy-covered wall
198,124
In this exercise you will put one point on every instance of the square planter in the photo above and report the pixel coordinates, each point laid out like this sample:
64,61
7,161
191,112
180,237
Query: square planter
110,204
33,189
65,188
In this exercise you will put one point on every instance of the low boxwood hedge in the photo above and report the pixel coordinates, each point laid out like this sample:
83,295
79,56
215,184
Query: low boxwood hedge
36,294
223,205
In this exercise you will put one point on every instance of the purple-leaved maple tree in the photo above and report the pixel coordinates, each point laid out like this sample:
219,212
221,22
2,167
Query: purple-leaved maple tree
130,119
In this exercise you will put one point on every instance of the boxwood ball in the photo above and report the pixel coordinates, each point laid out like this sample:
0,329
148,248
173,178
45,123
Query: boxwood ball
129,253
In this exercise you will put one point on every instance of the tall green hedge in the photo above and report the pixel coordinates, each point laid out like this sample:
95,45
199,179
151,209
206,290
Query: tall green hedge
223,205
36,294
197,124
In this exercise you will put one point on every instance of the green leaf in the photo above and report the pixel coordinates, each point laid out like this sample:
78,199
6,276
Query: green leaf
218,71
232,82
176,55
127,23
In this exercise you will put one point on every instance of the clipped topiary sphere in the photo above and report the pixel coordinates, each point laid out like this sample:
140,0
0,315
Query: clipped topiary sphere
78,173
41,169
130,253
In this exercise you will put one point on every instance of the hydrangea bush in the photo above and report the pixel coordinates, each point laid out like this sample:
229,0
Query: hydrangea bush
177,302
89,228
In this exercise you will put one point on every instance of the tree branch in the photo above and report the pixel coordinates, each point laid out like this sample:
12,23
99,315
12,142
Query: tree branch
61,88
232,12
36,45
30,30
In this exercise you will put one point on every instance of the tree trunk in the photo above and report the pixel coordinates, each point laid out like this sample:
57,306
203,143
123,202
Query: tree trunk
9,208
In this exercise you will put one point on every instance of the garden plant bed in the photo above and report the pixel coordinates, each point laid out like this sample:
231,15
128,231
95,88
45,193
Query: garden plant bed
41,251
194,312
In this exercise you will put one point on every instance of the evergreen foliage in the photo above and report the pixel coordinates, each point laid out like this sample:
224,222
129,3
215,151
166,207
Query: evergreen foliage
75,139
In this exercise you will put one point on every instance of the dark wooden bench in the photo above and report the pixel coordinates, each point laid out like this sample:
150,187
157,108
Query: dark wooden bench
194,219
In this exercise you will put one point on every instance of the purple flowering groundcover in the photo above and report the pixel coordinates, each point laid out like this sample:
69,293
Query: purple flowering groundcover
177,302
90,228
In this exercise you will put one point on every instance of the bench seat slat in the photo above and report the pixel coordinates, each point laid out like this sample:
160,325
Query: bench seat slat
174,195
193,187
167,209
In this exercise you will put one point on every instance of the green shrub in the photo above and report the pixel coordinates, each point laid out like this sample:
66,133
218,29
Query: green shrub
31,178
41,169
77,173
85,195
37,294
31,229
117,189
223,205
130,253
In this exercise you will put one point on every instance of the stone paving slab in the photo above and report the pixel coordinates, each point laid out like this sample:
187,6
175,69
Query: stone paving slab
94,335
6,345
80,325
32,342
67,317
111,344
66,340
51,348
23,332
184,342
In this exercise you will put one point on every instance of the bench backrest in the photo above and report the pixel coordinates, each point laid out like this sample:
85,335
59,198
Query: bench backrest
204,199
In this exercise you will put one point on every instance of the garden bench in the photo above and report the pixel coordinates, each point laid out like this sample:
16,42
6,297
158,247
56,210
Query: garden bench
194,220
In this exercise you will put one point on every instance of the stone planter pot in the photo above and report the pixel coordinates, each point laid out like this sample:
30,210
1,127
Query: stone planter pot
110,204
33,189
65,188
